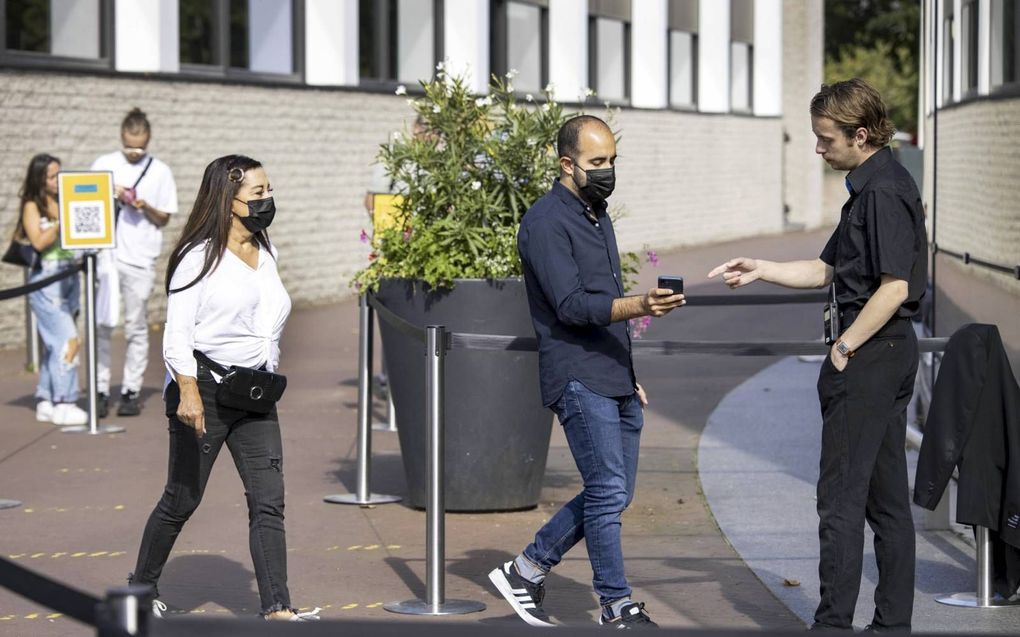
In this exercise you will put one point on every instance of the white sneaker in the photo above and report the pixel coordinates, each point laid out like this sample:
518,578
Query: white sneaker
158,609
44,411
69,414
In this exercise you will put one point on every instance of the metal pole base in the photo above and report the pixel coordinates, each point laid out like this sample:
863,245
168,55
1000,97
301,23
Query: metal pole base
84,429
970,600
9,504
449,607
352,498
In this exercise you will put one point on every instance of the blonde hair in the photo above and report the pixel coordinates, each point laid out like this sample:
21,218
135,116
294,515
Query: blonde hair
854,104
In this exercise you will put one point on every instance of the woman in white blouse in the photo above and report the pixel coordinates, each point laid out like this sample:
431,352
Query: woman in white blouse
226,301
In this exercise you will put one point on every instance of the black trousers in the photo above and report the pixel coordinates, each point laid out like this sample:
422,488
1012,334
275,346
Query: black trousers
254,442
863,476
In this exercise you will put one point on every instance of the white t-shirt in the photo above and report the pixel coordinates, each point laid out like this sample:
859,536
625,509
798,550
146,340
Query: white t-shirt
235,315
139,240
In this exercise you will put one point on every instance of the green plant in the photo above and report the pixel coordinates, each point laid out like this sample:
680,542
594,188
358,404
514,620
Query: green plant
466,180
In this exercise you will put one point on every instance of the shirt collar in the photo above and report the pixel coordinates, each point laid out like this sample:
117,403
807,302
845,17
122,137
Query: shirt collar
575,203
858,178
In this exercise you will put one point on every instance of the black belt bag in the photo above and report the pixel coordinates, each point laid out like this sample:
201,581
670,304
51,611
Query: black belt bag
244,388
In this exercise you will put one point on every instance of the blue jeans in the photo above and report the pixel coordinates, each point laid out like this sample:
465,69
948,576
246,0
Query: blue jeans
604,435
55,307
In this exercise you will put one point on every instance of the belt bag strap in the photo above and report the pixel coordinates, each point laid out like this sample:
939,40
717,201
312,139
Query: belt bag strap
210,363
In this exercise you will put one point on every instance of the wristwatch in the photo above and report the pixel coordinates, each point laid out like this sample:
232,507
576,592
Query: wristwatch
844,349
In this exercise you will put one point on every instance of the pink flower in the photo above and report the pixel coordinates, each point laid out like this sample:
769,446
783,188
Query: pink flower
639,326
357,287
407,235
653,258
364,236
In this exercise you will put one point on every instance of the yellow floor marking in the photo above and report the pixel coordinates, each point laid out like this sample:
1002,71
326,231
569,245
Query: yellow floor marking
332,548
79,554
349,606
392,546
29,510
371,547
64,470
6,618
97,553
32,616
119,507
54,616
375,605
62,510
60,554
354,548
14,557
117,553
36,555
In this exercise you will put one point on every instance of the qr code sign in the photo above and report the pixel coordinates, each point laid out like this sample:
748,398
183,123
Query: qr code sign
87,220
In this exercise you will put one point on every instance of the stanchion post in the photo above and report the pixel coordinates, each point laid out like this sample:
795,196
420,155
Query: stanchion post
90,345
985,596
126,610
31,334
363,495
9,504
435,602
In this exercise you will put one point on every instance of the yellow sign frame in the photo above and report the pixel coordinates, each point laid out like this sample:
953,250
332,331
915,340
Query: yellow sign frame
86,210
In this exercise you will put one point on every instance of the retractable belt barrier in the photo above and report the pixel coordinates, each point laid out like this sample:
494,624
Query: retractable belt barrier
49,593
13,293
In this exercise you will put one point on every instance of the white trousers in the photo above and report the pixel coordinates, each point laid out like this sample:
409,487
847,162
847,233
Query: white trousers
135,288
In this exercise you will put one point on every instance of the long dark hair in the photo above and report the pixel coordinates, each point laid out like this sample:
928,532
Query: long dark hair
210,216
34,189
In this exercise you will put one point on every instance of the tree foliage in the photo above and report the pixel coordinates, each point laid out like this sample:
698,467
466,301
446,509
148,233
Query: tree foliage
877,40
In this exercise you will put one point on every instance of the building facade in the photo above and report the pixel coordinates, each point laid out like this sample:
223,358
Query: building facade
970,107
710,98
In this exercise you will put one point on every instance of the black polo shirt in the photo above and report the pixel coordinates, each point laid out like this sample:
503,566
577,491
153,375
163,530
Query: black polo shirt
572,274
881,231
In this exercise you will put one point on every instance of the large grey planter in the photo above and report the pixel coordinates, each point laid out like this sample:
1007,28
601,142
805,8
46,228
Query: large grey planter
497,431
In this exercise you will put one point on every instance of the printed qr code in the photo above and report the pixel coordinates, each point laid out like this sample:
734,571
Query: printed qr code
87,219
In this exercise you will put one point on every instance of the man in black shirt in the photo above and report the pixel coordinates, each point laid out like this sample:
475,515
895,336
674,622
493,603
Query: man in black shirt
575,292
877,261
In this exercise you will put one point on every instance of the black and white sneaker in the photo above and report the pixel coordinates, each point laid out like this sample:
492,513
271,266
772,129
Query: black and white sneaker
632,615
523,596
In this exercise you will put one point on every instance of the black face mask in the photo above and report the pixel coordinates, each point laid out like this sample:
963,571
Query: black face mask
600,185
260,215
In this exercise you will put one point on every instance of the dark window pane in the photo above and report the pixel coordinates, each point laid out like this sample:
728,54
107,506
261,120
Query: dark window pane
377,39
239,30
1011,41
28,25
198,42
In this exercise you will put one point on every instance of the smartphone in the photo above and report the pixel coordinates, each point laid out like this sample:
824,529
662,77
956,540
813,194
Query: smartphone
675,283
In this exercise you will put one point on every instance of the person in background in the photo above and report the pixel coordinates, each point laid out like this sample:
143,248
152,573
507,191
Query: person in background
146,197
226,307
55,306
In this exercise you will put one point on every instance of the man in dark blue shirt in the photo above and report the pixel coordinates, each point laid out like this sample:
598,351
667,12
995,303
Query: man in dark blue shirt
575,291
877,263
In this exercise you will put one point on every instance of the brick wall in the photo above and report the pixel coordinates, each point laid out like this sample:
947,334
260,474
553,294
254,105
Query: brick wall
978,185
684,178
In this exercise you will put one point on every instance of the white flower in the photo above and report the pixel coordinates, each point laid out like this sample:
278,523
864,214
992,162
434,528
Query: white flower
550,87
401,90
588,92
510,87
546,106
410,102
475,185
529,97
436,109
441,67
483,101
396,136
511,74
608,104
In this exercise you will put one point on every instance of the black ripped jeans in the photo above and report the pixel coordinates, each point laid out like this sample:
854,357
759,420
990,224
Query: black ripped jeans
254,443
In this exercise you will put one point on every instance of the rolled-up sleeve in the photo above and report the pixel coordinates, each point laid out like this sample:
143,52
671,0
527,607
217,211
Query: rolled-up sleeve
547,252
182,317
